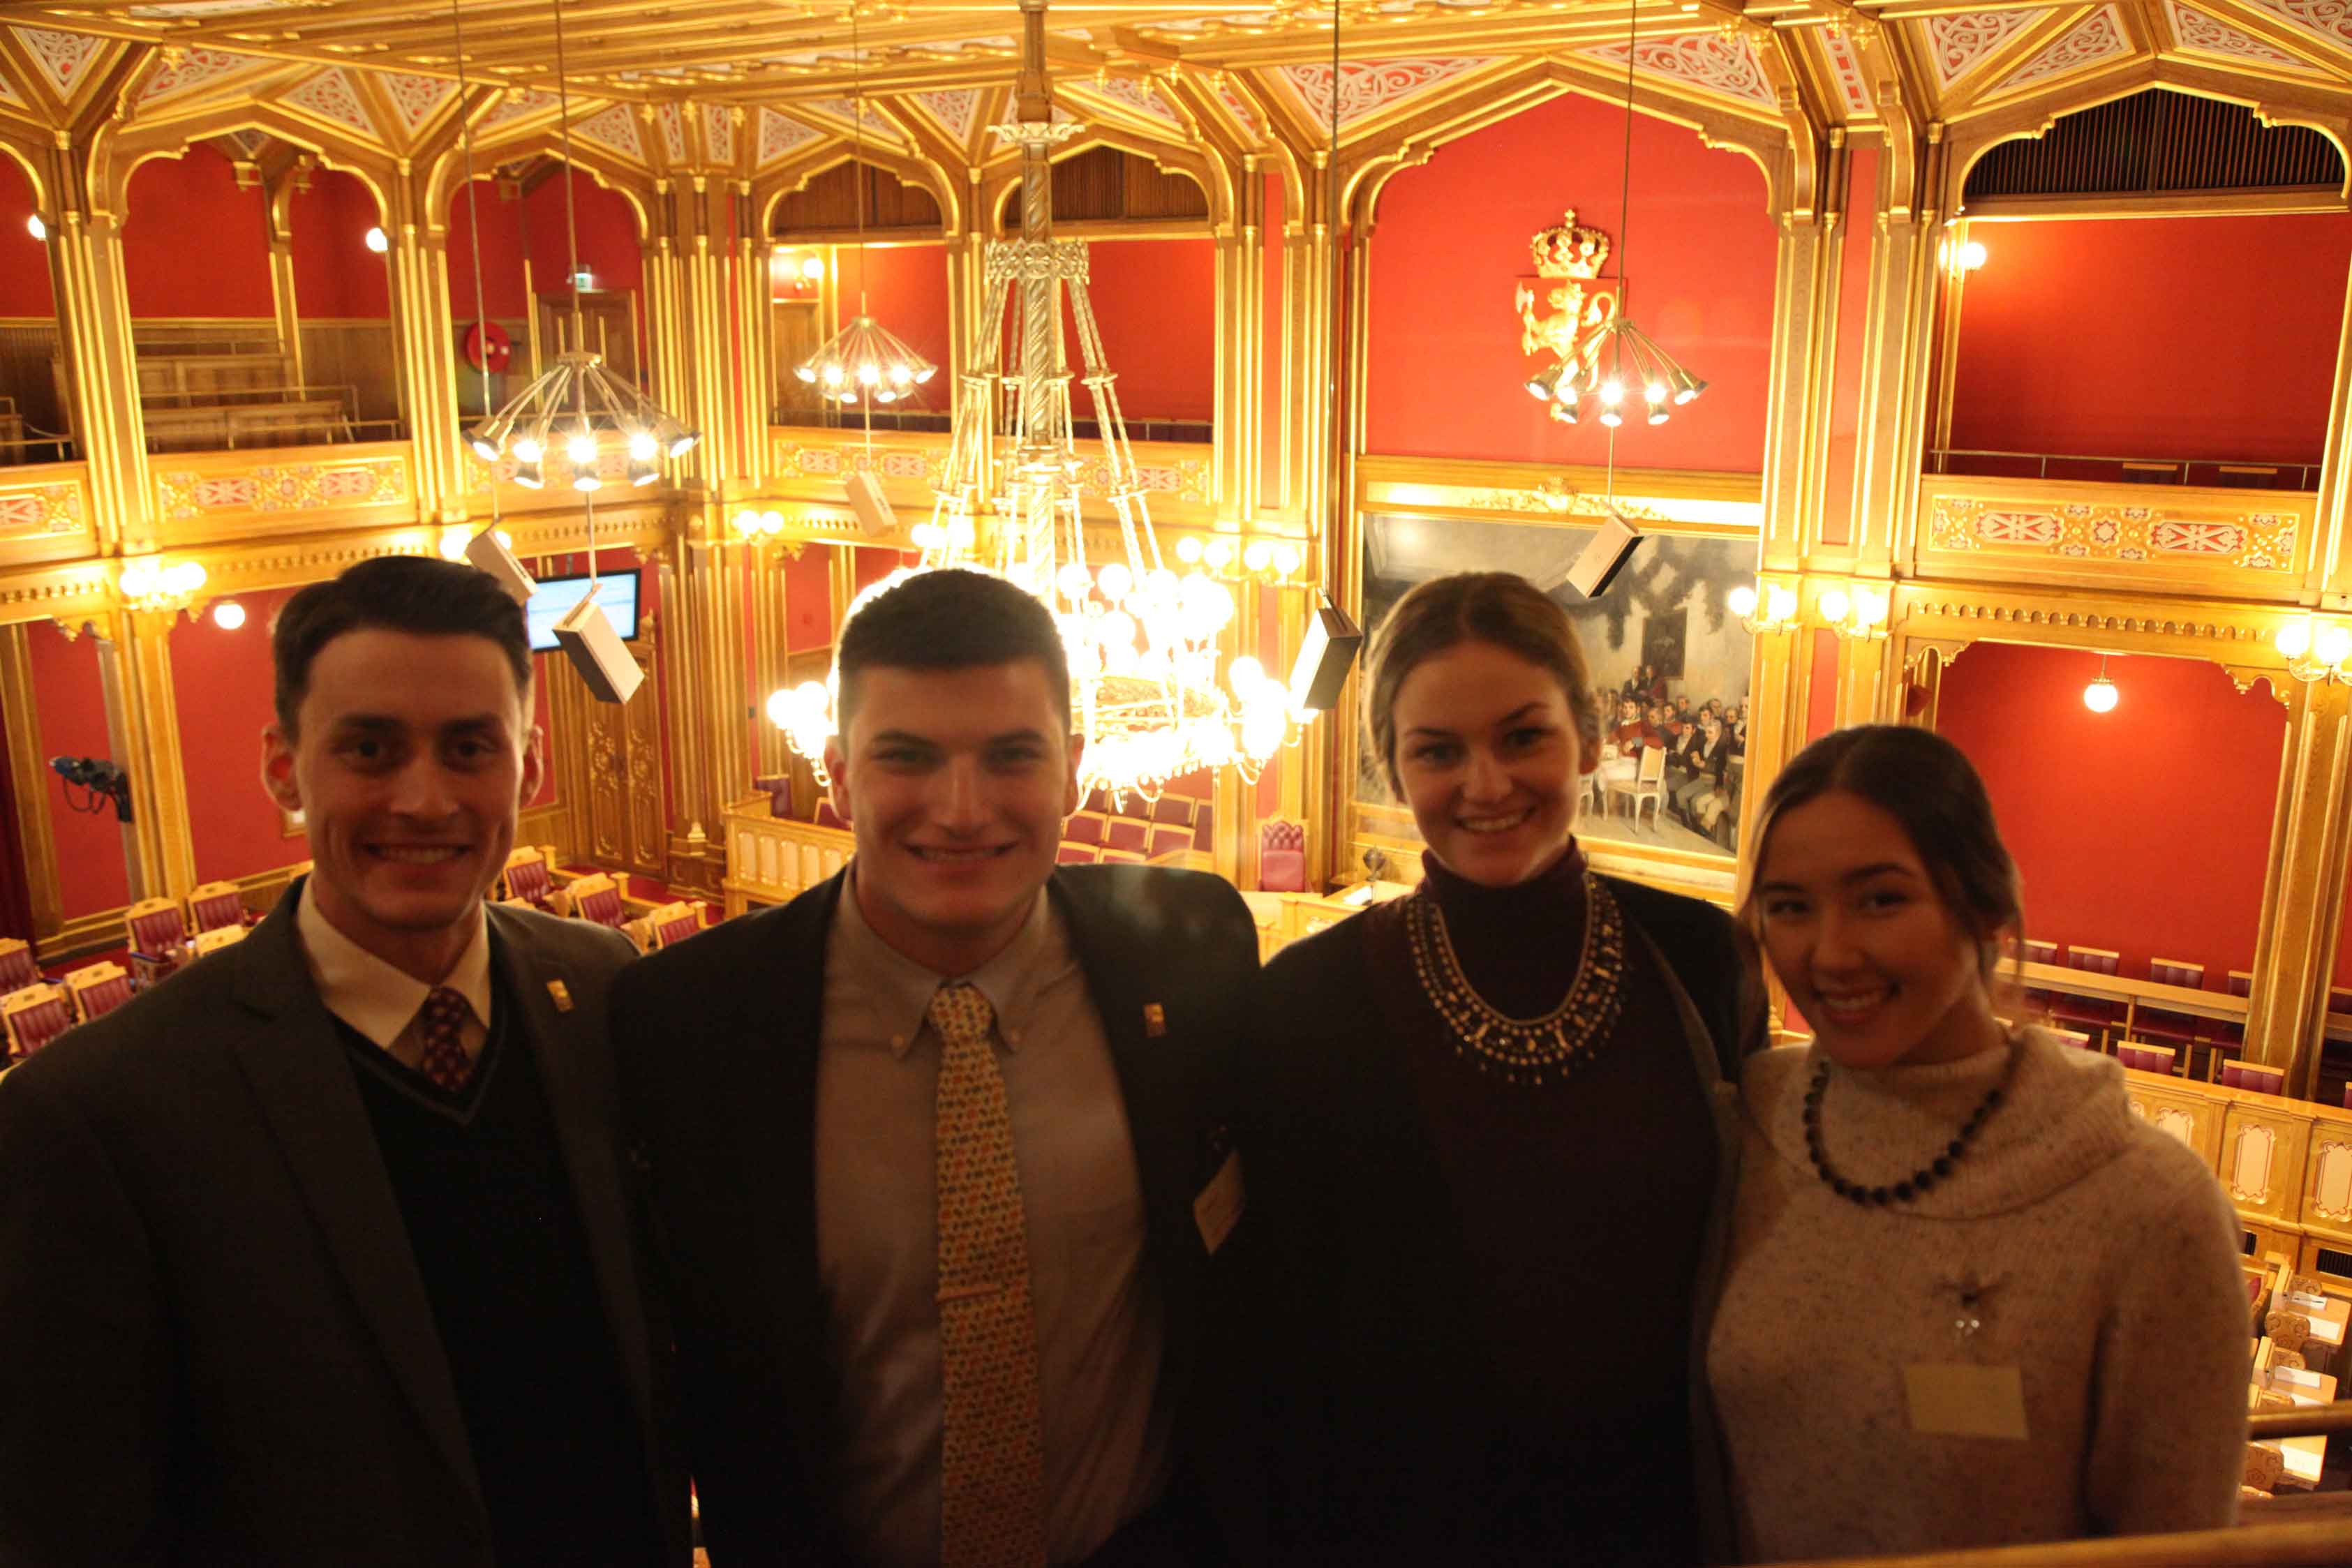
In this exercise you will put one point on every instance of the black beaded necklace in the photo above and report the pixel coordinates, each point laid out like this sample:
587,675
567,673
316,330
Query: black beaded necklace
1920,1180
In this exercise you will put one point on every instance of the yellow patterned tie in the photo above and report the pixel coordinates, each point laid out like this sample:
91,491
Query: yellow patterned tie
992,1447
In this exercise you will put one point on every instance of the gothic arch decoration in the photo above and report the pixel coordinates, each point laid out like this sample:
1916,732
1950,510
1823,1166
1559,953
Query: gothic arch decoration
632,183
997,177
121,150
773,186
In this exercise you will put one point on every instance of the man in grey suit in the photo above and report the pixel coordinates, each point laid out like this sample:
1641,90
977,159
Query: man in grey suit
319,1251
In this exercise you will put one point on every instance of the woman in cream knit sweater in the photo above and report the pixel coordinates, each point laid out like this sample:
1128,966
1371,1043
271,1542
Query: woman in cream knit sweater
1970,1300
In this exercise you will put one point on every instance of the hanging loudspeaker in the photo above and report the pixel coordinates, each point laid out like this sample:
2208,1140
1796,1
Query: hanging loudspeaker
1606,556
597,652
872,506
1325,654
488,555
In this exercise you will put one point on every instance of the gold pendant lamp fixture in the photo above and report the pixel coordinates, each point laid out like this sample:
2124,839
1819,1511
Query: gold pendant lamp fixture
865,362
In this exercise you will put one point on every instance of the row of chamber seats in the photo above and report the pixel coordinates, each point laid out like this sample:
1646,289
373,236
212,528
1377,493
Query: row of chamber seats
530,880
2296,1332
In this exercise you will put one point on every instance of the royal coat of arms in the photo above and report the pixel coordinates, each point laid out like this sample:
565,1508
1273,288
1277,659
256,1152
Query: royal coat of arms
1564,307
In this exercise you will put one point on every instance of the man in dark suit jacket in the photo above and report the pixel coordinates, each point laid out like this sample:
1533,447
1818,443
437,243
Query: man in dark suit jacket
318,1253
794,1078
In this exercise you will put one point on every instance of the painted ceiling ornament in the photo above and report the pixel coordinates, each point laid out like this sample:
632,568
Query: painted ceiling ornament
1846,68
194,68
331,96
59,56
1960,44
1719,63
2098,36
1564,308
615,130
954,110
2328,20
2207,34
718,122
415,99
778,135
1368,87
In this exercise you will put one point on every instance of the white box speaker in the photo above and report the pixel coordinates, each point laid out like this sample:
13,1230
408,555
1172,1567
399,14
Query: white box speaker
872,506
1325,654
1605,556
487,554
597,652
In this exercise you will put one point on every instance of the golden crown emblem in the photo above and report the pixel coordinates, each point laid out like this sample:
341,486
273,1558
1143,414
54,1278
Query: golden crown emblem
1568,249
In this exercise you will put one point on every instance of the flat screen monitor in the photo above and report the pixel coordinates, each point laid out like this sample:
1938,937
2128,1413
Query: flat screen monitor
616,596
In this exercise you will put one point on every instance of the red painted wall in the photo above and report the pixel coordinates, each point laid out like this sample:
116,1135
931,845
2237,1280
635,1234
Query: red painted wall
2144,830
72,708
24,260
1156,302
607,229
181,209
2207,338
906,289
1449,243
221,684
335,274
1820,694
808,599
501,257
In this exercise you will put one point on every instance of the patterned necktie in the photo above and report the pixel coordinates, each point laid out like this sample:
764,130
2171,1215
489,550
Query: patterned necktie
992,1448
442,1059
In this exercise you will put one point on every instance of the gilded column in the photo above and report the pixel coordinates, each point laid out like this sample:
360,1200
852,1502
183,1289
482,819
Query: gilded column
702,239
426,338
283,295
1899,340
29,769
102,366
754,331
2332,518
1799,285
164,863
1776,728
666,326
2302,889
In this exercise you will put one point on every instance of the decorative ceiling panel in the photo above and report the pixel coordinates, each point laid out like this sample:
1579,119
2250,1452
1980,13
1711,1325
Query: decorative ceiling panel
2328,20
719,133
1845,70
1369,86
1711,60
2099,37
331,96
673,129
8,94
1958,44
1239,105
851,113
517,105
1138,96
955,111
196,68
414,98
615,128
2210,34
61,56
780,136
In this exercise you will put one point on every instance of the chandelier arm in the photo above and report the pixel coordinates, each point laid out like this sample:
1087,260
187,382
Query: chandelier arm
473,217
572,242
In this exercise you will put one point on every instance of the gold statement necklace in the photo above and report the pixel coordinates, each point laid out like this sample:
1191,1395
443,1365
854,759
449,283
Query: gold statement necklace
1548,1049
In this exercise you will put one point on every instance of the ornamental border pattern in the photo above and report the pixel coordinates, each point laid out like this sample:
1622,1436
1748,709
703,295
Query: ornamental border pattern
184,494
43,508
2111,532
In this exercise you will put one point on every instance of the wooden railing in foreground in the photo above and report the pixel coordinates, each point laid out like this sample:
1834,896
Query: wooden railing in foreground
2304,1545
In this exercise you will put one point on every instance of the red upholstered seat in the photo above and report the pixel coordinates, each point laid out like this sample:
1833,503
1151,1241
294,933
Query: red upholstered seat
18,968
98,989
1176,809
156,933
2255,1076
1085,828
1074,855
528,878
1282,855
34,1016
1129,834
676,923
596,897
1121,857
1169,839
214,905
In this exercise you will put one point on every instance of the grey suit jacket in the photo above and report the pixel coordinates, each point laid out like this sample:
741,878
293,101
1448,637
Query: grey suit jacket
215,1344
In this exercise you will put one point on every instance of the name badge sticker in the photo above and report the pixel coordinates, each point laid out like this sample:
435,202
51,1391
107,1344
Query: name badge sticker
1219,1207
1957,1399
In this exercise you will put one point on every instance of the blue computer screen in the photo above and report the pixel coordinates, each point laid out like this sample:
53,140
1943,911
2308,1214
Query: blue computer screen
616,596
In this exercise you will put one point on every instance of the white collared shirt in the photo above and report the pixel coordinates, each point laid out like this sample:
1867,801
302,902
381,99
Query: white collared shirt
381,1000
1096,1302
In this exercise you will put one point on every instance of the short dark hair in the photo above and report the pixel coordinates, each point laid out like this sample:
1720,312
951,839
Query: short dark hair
950,618
415,594
1928,786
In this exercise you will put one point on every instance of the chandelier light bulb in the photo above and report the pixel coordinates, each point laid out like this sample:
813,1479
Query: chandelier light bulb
37,228
869,375
771,522
1116,581
527,449
1658,414
643,447
1611,417
928,535
1869,607
2100,695
1074,582
1188,549
1255,554
900,375
780,709
1285,559
1834,604
581,448
1780,604
805,374
833,375
528,474
1612,392
2293,639
1245,676
1218,555
1741,600
1656,392
378,241
138,579
228,615
454,540
2333,643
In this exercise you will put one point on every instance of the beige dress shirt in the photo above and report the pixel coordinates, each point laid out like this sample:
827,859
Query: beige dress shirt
1100,1326
381,1001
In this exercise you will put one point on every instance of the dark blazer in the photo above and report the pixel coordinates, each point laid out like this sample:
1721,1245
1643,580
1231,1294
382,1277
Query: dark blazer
215,1344
718,1043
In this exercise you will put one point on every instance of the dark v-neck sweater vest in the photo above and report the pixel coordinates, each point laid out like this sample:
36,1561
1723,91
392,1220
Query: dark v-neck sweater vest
488,1208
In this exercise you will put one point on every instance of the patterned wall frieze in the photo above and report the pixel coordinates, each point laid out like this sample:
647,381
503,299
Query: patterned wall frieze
221,489
1504,492
2226,543
45,515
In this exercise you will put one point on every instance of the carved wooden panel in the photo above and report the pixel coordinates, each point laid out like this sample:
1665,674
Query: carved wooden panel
2261,1162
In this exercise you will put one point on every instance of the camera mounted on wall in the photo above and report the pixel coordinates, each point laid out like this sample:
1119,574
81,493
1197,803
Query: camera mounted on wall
100,779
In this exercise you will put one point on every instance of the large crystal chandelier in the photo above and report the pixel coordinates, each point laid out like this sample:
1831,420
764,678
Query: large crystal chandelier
1146,688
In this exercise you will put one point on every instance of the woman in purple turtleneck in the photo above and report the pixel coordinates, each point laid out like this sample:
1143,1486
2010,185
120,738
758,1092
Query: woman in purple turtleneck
1493,1142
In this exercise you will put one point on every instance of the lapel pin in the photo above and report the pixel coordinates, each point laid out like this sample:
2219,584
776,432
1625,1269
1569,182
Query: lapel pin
1155,1020
561,993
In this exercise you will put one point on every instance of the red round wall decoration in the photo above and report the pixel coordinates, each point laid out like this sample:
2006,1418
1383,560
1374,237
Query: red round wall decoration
487,346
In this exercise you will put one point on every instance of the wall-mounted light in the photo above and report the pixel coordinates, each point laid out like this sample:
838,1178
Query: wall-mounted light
1272,559
751,525
228,615
1971,255
150,583
1861,613
378,241
37,228
1763,607
2100,695
2317,652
